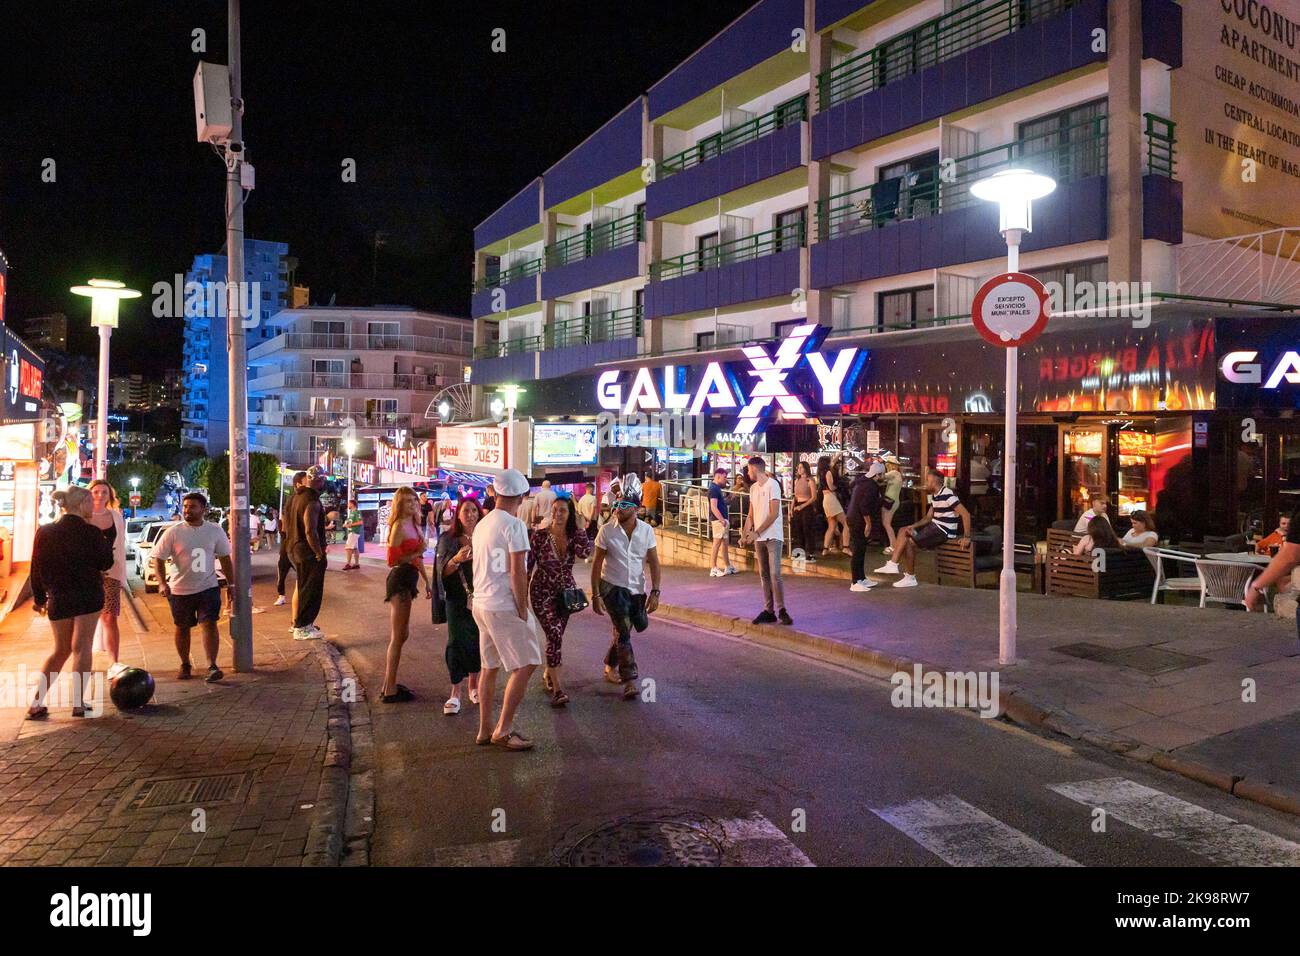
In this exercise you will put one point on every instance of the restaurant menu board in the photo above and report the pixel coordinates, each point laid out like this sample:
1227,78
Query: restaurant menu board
564,444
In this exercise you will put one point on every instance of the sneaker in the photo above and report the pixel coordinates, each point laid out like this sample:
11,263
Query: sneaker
766,617
115,670
306,634
888,551
186,672
717,573
280,601
863,585
452,707
214,674
784,617
473,695
889,567
731,570
907,581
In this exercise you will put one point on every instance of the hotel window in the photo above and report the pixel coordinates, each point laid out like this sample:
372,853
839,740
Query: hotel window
704,341
791,227
383,334
841,310
791,111
640,221
706,248
381,411
906,308
907,190
327,372
1068,144
327,334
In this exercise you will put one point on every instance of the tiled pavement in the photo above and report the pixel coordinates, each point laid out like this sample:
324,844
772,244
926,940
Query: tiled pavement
68,787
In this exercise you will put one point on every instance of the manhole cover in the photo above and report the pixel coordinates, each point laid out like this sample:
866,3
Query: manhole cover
1148,660
650,842
160,793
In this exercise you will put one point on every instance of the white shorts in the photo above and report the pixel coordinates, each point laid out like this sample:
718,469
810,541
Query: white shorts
351,543
505,641
721,529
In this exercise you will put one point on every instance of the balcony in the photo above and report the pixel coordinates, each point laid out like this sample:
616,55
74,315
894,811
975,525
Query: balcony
567,346
758,149
405,381
593,257
926,221
358,343
980,51
290,419
762,266
517,283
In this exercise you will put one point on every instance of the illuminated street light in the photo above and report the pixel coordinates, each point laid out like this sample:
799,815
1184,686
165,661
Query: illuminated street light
349,448
104,295
1014,190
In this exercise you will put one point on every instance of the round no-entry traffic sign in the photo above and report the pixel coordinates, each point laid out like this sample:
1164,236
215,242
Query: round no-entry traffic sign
1010,309
135,501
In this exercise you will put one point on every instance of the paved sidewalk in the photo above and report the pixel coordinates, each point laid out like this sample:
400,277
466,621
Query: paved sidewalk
1171,684
120,789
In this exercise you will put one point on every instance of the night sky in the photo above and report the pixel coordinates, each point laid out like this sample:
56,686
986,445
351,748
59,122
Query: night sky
443,131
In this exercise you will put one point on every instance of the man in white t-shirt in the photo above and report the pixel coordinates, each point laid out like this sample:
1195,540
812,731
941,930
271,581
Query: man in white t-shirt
763,528
1098,509
625,549
542,505
185,557
508,632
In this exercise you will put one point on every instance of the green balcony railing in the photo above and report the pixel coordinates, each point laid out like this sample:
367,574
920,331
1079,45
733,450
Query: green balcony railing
787,114
590,242
790,236
1066,154
520,270
969,26
1160,145
580,330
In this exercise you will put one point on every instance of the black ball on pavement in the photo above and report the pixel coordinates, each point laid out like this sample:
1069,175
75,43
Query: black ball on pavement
131,689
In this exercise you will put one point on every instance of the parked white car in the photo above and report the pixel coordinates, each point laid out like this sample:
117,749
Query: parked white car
134,529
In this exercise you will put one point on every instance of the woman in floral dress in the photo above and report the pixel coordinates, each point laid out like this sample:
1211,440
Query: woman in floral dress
551,554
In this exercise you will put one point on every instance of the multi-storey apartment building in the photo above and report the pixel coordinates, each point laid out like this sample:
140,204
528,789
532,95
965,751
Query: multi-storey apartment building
812,165
205,409
327,371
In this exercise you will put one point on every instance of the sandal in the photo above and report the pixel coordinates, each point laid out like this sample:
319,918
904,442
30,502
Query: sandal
546,682
37,713
611,675
513,741
559,698
482,741
399,696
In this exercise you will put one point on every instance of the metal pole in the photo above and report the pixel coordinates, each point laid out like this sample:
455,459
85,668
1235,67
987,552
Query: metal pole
101,412
241,616
348,503
1007,580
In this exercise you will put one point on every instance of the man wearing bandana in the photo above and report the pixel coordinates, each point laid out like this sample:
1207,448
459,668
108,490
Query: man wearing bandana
625,547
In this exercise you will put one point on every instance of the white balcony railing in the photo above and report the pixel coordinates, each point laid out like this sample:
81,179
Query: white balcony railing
343,342
1259,267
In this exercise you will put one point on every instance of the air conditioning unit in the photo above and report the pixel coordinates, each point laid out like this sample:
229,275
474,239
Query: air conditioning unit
212,115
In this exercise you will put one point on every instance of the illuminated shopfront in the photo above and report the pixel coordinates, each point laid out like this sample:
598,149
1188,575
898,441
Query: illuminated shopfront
21,446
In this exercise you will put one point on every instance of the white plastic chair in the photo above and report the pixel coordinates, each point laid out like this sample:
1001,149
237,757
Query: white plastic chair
1224,582
1158,557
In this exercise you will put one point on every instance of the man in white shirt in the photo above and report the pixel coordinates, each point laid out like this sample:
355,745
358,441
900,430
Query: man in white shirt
764,531
625,547
507,628
542,505
193,547
587,512
527,510
1098,509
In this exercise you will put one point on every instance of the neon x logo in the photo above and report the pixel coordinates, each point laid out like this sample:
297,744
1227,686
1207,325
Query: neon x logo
771,374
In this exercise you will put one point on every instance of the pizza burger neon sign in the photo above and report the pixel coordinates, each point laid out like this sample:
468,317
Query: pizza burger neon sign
720,388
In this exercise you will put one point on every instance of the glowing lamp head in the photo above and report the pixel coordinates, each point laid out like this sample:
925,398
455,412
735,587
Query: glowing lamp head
510,396
1014,190
349,446
104,295
444,410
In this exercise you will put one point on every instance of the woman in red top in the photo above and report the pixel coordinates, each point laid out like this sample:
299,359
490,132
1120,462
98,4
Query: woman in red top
406,559
551,554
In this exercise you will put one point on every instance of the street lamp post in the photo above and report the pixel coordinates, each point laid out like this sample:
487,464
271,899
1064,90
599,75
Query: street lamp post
104,295
1014,190
510,400
135,489
350,448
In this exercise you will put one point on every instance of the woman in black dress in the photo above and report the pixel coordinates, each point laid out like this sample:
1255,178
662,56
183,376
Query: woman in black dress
69,558
456,574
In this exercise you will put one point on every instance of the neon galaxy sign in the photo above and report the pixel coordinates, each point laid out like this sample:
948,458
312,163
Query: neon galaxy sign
1241,367
722,387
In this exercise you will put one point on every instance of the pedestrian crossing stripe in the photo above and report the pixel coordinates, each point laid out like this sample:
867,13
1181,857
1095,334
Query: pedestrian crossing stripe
964,835
1214,836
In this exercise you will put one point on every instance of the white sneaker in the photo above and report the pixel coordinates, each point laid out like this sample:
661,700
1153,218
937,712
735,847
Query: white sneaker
888,551
863,585
473,696
306,634
280,601
889,567
717,573
907,581
452,706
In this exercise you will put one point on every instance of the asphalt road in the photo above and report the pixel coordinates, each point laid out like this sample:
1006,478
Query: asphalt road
749,755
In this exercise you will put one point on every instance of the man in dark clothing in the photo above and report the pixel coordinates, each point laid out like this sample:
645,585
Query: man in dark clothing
304,527
864,507
286,563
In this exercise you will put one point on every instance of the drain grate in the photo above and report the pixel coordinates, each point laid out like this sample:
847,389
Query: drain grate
1148,660
678,841
162,793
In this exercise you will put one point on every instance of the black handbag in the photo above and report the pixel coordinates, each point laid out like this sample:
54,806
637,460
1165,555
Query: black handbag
572,600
